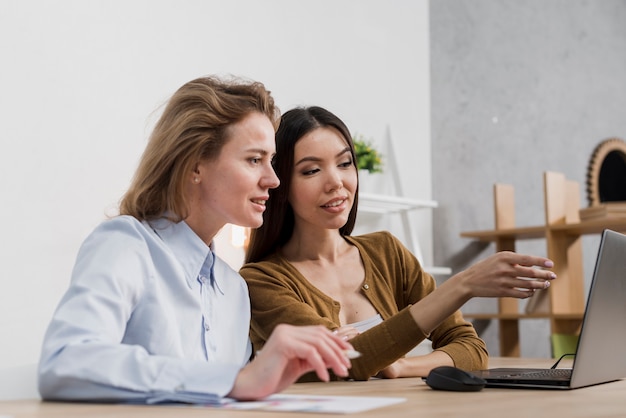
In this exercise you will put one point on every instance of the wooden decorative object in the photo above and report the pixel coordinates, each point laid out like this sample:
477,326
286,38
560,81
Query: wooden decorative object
606,173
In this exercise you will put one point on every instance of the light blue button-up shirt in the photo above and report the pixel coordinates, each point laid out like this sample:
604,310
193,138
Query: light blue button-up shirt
151,315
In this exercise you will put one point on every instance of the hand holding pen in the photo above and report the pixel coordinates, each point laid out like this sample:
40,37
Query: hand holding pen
290,352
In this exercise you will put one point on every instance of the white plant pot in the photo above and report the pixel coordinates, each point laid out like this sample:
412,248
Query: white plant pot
371,182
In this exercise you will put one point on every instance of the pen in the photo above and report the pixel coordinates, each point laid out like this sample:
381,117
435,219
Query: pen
352,354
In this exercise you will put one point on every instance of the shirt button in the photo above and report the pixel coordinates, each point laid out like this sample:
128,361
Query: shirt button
207,327
366,286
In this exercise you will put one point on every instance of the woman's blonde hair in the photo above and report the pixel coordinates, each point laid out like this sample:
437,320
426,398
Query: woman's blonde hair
192,128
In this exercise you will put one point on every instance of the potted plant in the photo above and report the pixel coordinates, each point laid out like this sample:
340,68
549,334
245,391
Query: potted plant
369,162
367,157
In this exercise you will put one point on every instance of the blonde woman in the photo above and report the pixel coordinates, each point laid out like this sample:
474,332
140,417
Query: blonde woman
151,314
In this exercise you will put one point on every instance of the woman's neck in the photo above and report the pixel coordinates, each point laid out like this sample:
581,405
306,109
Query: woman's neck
320,245
204,229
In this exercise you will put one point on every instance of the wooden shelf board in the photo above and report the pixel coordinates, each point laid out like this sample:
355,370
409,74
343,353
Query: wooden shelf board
529,232
594,226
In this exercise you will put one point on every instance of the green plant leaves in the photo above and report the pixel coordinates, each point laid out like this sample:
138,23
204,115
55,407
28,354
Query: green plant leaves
367,157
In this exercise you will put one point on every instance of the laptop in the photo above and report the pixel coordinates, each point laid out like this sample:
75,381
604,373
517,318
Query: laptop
601,353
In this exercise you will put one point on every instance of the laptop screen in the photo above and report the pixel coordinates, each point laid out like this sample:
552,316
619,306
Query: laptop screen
600,355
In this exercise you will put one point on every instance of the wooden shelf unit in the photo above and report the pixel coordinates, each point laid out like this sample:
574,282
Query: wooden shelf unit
563,302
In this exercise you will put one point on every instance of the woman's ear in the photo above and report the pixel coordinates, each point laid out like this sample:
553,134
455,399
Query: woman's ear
195,178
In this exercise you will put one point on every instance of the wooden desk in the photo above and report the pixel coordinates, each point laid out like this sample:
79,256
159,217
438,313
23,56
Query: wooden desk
606,400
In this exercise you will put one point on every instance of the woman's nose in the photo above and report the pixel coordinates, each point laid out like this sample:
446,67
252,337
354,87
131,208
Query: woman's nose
335,181
270,179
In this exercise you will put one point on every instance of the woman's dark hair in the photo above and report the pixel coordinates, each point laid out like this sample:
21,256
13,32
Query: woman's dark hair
278,219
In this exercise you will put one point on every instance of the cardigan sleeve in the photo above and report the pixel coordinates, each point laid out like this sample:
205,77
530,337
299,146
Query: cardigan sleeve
454,336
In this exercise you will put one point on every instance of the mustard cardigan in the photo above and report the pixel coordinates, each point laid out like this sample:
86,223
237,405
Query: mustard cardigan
393,281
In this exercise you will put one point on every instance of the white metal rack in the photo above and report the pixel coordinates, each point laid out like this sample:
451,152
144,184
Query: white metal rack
385,204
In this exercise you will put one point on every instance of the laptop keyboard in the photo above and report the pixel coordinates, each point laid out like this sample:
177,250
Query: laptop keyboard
544,374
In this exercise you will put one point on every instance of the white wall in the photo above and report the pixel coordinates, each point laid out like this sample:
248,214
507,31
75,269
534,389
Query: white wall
82,80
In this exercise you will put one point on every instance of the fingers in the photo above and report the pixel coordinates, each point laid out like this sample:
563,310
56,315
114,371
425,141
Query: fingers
325,355
529,284
526,266
290,352
320,367
316,347
346,333
534,273
509,274
518,293
529,280
526,260
333,350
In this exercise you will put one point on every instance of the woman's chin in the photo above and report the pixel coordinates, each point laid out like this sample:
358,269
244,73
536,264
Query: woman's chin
255,223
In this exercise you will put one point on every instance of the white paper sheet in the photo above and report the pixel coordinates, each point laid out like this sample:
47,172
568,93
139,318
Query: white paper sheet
313,403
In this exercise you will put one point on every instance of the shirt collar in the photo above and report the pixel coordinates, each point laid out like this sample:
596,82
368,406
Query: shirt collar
186,245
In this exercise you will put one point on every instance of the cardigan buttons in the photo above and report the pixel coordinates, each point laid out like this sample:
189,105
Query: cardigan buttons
366,286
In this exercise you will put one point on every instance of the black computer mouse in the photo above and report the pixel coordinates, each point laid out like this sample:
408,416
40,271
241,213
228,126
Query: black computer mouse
453,378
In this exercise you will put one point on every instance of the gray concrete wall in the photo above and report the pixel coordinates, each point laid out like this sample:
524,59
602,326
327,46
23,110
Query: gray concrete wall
518,88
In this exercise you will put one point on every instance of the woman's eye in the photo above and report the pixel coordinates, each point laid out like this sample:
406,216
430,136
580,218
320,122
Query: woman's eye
311,171
255,160
346,164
